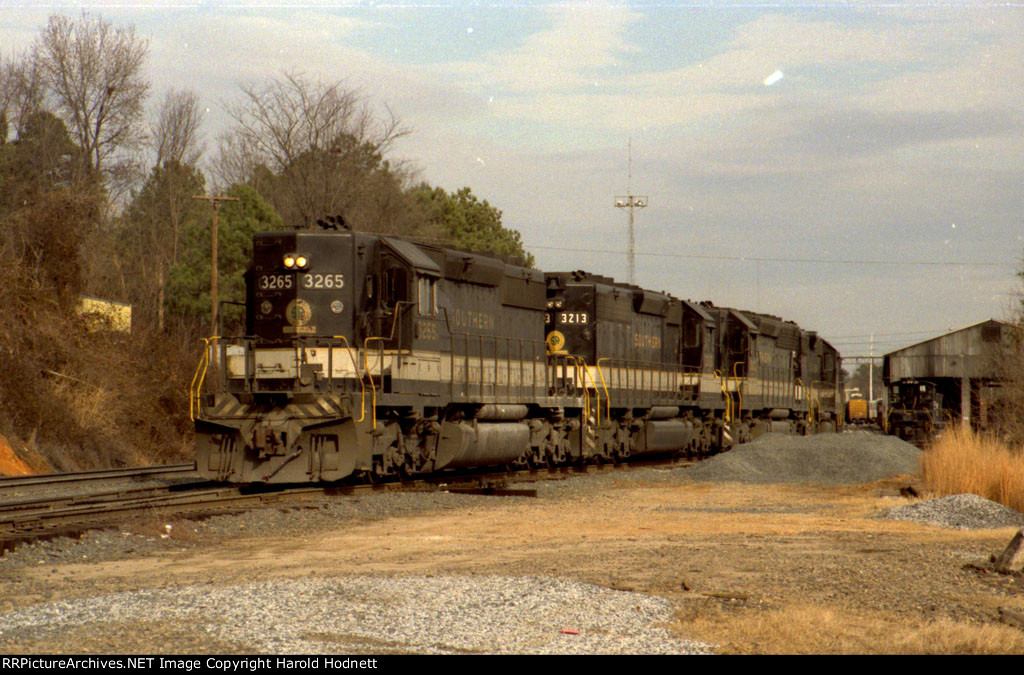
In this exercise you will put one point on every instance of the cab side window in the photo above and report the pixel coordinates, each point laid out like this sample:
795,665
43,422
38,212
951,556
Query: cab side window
395,286
691,334
427,296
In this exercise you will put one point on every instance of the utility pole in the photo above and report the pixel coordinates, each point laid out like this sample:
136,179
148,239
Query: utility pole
631,201
215,200
871,370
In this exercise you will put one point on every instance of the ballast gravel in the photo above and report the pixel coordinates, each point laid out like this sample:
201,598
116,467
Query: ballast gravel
962,512
382,615
833,459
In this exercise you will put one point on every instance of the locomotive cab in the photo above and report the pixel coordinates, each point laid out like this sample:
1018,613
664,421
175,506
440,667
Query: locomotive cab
697,348
737,337
569,320
407,279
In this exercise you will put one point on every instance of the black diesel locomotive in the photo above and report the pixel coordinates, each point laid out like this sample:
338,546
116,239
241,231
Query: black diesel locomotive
382,357
916,413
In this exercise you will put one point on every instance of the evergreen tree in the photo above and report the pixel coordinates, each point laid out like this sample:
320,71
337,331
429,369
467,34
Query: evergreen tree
188,286
151,238
48,205
466,222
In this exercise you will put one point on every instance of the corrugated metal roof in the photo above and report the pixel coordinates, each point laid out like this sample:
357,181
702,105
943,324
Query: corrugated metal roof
939,337
969,352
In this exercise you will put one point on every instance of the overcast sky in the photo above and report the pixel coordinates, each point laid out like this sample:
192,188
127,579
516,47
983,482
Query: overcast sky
856,168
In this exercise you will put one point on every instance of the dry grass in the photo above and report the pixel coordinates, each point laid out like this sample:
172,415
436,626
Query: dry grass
962,461
836,631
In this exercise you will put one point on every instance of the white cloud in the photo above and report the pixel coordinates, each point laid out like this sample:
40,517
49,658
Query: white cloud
582,38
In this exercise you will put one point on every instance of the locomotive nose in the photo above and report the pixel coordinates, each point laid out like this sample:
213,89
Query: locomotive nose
301,285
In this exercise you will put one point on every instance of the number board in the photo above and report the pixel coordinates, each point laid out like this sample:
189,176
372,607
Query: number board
307,281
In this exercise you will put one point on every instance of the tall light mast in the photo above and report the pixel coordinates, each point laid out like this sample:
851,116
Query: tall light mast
631,201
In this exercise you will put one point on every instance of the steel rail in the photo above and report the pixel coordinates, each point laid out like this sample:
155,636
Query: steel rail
93,474
9,510
33,519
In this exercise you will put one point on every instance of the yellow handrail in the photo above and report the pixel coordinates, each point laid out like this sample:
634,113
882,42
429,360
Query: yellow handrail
607,396
739,387
366,363
597,392
725,393
198,378
586,393
816,401
355,367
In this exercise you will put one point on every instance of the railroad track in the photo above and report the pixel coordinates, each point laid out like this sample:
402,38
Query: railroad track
49,517
8,483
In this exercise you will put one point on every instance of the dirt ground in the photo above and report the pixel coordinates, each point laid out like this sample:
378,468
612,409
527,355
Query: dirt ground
751,568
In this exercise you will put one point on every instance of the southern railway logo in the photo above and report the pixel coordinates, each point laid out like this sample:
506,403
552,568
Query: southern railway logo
298,313
556,342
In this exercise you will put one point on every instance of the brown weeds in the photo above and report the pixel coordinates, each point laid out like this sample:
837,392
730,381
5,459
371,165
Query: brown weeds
785,630
963,461
84,399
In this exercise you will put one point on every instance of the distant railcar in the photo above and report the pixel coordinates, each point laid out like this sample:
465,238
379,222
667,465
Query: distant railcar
857,411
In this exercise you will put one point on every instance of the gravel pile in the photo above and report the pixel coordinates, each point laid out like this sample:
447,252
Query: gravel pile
362,614
962,512
853,457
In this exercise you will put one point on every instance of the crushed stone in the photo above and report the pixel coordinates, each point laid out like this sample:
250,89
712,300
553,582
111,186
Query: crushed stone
382,615
845,458
962,512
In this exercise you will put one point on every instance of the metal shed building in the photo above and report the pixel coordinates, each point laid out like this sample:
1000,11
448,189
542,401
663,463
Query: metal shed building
964,365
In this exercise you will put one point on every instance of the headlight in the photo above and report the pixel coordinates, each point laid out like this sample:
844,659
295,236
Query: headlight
296,261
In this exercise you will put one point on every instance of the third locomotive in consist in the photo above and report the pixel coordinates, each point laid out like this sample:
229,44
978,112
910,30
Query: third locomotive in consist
378,356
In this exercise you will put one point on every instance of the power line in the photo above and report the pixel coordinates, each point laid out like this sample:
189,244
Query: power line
818,261
848,343
869,335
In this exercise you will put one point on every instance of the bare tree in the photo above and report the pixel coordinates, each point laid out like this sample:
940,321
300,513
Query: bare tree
158,211
21,91
94,72
235,162
319,140
6,94
174,130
